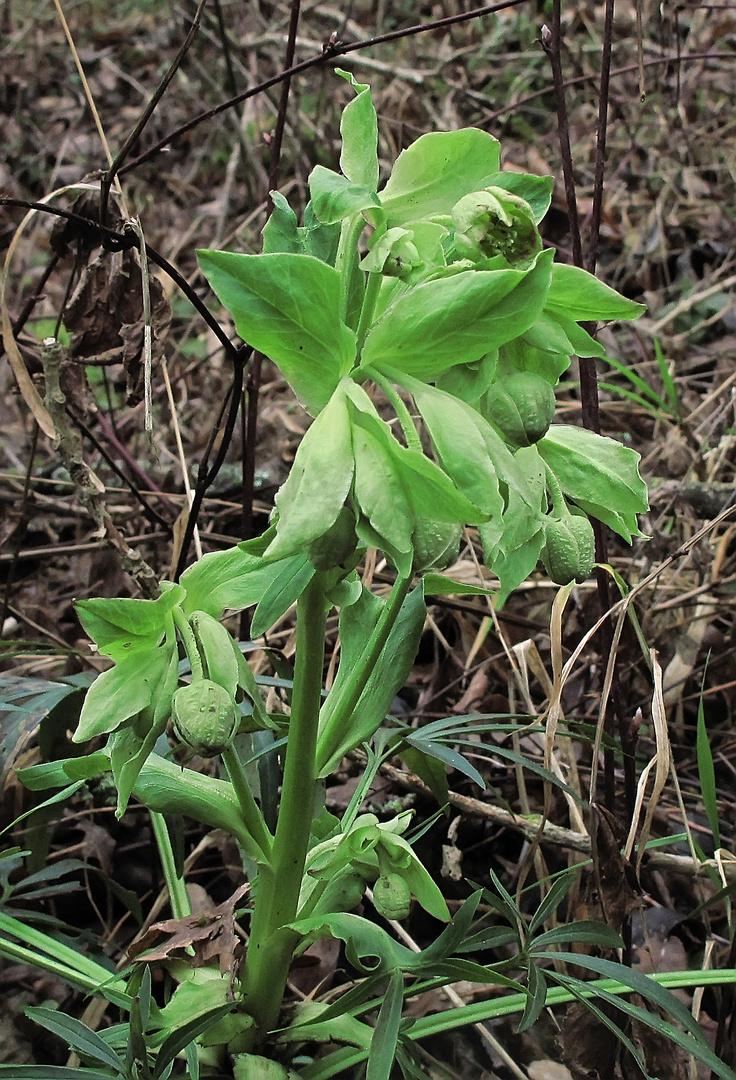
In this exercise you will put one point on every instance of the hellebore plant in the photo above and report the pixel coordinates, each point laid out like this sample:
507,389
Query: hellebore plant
436,291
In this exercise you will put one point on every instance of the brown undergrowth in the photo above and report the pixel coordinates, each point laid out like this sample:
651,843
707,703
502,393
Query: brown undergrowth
667,237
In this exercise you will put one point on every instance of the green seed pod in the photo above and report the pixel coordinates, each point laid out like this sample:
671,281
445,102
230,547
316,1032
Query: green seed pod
568,552
436,545
205,717
392,896
335,546
581,528
521,407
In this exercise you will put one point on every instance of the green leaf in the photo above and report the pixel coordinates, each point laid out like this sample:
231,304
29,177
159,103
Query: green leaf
386,1035
706,772
440,585
76,1034
586,930
641,984
288,307
511,547
181,1037
536,1000
693,1041
294,574
557,892
518,355
458,319
380,493
226,579
536,190
129,748
334,197
122,626
368,947
319,482
428,768
599,474
359,130
392,668
122,692
320,240
53,1072
170,789
281,233
460,436
578,295
432,174
582,342
469,382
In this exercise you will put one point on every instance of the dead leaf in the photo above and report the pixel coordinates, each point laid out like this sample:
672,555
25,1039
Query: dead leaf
105,315
548,1070
589,1049
211,933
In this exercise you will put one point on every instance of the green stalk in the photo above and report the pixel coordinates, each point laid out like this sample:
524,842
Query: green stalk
178,896
480,1012
338,711
372,289
190,643
252,816
344,259
559,506
404,416
271,947
52,955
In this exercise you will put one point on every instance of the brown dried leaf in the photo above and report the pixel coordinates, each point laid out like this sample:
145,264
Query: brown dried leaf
589,1049
105,314
211,933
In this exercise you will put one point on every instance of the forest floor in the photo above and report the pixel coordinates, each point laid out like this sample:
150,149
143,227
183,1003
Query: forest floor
667,238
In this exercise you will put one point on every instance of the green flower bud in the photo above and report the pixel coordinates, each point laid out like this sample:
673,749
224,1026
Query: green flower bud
392,896
521,407
569,549
436,545
495,222
205,717
393,253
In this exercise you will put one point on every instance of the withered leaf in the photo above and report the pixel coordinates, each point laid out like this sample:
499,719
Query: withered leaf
105,315
211,933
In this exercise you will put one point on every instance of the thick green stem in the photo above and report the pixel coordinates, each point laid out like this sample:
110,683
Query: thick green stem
252,816
337,712
271,947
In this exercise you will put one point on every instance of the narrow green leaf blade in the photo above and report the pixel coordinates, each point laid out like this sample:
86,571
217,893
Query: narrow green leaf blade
706,773
386,1035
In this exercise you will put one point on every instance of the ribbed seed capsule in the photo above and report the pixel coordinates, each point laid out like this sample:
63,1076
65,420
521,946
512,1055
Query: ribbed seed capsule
521,407
205,717
392,896
568,553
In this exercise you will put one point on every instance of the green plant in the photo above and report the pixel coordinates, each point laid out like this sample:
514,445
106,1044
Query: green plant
435,288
